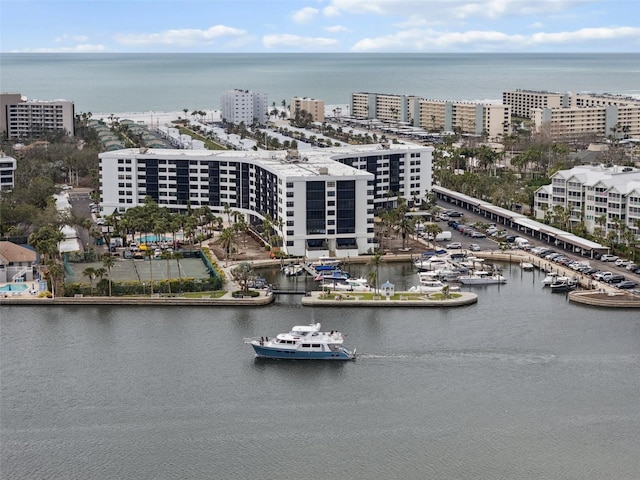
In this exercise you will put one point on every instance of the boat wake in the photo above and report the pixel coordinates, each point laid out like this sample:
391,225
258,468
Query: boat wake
519,358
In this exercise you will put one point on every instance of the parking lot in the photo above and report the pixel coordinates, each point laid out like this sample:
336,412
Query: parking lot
613,266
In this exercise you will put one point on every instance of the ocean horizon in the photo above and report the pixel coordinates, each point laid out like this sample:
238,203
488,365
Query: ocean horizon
127,82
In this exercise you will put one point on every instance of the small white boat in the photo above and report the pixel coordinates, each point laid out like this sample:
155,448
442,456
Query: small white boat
293,270
348,285
563,284
303,342
549,279
482,277
333,275
432,286
526,266
433,263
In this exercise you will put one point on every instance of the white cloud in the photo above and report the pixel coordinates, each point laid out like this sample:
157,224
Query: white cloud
488,40
180,37
297,42
71,38
83,48
304,15
587,34
330,11
435,10
336,29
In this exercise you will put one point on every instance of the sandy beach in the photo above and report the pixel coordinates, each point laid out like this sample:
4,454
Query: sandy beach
157,118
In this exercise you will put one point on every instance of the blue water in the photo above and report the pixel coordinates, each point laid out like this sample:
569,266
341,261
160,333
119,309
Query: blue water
521,385
14,287
152,239
108,83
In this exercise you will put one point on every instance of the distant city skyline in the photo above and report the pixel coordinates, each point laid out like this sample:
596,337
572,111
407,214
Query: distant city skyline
430,26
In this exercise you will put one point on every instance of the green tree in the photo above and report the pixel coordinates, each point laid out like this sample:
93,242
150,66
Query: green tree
244,274
90,273
226,240
108,261
375,261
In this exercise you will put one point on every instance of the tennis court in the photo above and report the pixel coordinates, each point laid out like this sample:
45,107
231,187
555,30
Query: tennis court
142,270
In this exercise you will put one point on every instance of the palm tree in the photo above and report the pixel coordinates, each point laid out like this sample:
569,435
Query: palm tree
376,260
149,254
226,241
90,273
406,227
100,273
108,262
168,256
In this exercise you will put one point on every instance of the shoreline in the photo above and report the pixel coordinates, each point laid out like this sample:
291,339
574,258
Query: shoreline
594,293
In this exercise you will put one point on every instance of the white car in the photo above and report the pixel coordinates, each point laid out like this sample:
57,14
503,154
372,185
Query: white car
474,247
454,245
621,262
608,258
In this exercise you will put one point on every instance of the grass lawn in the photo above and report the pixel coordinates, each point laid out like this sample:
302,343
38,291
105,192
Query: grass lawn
351,296
216,294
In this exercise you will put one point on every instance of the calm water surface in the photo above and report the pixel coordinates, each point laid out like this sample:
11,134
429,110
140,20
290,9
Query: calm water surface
108,83
521,385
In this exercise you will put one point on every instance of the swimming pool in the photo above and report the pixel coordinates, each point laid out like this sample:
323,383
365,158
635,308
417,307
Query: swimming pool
152,239
14,287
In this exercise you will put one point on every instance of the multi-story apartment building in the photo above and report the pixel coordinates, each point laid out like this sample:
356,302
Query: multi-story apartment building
523,101
602,196
7,172
605,121
492,120
565,114
309,105
22,118
244,106
323,202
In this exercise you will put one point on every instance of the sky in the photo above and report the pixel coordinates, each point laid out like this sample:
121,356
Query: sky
429,26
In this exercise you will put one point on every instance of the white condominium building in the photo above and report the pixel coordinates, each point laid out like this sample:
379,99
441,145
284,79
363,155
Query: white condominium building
523,101
22,118
492,120
322,201
606,195
7,172
309,105
568,115
244,106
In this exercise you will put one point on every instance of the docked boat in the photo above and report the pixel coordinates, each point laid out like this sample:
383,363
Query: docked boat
303,342
432,286
331,275
432,263
348,285
549,279
482,277
563,284
526,266
293,270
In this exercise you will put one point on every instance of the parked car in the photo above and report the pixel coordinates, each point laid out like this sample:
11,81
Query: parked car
608,258
600,275
474,247
626,285
615,278
511,238
478,235
455,214
621,262
454,245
